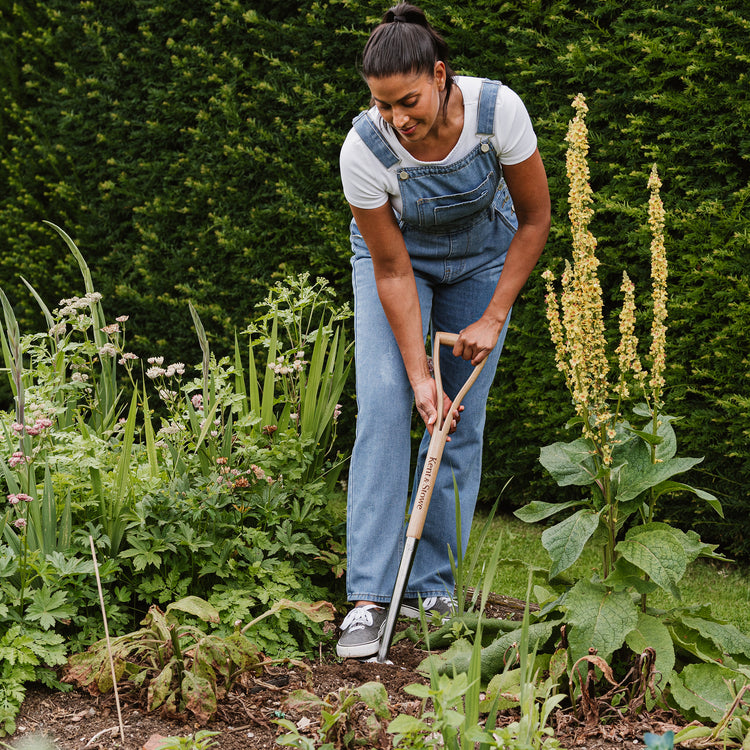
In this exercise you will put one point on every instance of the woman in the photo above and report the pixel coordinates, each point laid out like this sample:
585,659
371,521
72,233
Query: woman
450,214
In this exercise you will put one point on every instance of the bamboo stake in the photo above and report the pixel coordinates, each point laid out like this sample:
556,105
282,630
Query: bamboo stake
106,635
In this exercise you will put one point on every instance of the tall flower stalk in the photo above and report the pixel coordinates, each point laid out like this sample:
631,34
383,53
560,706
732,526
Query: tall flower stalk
625,467
579,333
577,330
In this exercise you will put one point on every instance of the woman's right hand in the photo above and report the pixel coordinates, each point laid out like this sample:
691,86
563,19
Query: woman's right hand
425,398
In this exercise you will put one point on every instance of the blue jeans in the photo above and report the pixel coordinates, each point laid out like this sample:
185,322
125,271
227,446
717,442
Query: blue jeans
456,275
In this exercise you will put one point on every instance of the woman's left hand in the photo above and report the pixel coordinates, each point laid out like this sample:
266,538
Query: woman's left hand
476,341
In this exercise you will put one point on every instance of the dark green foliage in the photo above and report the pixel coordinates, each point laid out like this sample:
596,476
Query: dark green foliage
192,152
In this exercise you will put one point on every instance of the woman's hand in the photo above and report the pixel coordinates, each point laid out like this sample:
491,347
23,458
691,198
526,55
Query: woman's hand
425,398
476,341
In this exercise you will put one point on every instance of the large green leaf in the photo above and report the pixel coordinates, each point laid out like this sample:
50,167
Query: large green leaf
650,632
641,476
565,541
625,575
689,641
658,554
537,510
727,637
569,463
669,486
665,445
689,540
600,618
704,689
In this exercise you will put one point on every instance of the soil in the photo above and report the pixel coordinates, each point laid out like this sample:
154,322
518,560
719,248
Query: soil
246,717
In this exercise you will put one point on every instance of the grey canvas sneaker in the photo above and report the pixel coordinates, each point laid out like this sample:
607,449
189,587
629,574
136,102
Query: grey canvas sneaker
445,606
362,629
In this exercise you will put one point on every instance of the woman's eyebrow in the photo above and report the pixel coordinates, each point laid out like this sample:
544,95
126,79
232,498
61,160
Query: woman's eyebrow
407,96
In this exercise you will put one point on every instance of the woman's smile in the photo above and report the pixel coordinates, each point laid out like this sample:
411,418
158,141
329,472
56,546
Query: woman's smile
410,103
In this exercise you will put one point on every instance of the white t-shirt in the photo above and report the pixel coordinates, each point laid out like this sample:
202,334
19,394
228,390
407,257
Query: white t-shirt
368,184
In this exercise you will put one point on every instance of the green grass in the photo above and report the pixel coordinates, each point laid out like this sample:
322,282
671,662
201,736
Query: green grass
725,586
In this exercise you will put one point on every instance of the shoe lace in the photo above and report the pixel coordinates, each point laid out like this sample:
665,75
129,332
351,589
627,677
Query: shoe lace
358,618
431,601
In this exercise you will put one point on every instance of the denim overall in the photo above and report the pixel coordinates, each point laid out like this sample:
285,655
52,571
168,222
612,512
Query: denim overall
457,222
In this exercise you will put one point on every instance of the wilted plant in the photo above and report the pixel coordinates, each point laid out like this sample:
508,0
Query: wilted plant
183,667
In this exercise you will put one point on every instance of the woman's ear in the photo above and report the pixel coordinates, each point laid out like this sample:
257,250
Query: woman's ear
439,74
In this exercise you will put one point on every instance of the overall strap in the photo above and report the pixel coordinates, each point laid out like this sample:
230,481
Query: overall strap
486,112
374,140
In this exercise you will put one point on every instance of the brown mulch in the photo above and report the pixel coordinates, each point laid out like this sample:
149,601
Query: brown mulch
246,717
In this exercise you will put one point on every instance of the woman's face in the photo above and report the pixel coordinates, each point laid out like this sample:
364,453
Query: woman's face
410,102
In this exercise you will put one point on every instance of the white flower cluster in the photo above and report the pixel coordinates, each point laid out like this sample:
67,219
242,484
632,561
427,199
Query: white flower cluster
282,367
157,371
71,304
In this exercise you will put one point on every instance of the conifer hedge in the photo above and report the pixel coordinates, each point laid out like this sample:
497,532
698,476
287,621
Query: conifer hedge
191,150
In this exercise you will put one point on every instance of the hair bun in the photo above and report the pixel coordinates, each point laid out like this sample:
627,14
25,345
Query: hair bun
405,13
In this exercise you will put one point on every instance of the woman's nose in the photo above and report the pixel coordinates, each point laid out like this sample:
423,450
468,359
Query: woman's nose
400,117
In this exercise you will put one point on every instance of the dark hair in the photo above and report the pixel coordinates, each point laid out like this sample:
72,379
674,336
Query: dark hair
404,42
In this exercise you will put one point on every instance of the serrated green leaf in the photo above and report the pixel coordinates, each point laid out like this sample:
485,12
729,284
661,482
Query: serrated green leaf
659,555
566,540
48,608
600,618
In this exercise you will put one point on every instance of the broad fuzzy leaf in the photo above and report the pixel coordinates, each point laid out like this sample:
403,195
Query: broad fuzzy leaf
727,637
639,477
650,632
704,690
565,541
375,697
659,555
538,510
569,463
600,618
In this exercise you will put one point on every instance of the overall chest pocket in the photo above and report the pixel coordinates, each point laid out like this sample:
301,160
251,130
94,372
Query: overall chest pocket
445,209
502,205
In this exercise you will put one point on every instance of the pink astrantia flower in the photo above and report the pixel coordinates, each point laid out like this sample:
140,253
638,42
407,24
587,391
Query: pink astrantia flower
18,458
20,523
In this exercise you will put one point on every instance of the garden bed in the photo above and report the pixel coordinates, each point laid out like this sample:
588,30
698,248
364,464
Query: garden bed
246,717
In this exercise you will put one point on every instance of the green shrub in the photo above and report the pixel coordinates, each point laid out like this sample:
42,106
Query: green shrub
192,152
